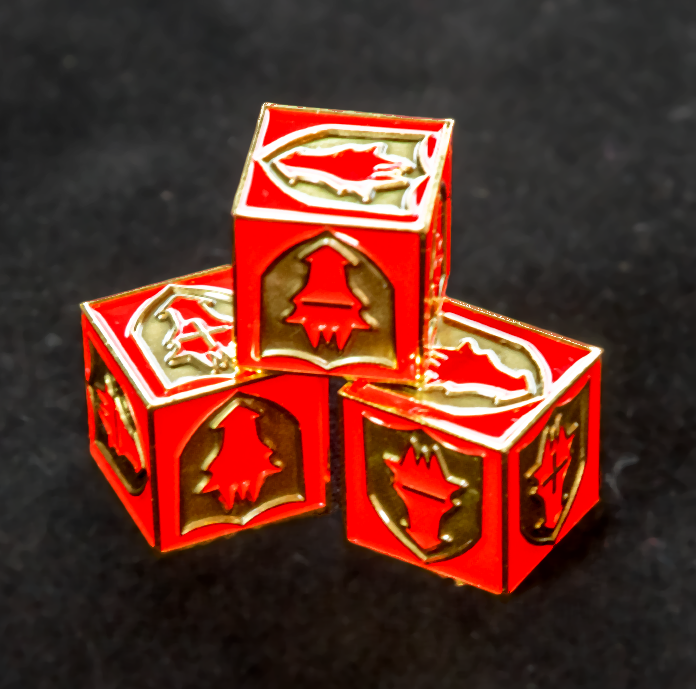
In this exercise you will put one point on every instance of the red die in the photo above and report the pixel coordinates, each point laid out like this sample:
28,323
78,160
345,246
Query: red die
195,447
479,472
341,241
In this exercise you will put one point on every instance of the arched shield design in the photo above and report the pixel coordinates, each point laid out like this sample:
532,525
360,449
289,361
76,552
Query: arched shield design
551,469
325,302
263,427
428,494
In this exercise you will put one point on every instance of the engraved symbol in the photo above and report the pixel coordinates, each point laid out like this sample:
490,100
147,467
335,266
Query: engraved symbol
243,463
428,494
199,334
550,469
359,169
356,168
244,459
340,297
469,368
325,305
118,423
116,436
421,484
186,331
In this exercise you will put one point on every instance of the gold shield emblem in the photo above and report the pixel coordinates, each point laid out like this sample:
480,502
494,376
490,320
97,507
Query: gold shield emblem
325,302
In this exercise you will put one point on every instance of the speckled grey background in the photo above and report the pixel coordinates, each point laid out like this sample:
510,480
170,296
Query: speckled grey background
123,130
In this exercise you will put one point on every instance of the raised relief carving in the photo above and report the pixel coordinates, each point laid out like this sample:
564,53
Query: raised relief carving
474,368
327,303
243,460
186,332
428,494
551,469
353,167
115,432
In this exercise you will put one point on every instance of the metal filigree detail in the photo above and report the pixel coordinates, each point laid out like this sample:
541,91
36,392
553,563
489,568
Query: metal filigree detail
276,431
567,424
403,485
384,171
367,337
186,332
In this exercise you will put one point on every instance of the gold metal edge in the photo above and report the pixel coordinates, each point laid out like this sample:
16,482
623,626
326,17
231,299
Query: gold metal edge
502,444
249,158
162,283
123,363
520,324
156,524
488,442
360,113
218,387
423,260
174,550
563,384
437,176
274,215
505,536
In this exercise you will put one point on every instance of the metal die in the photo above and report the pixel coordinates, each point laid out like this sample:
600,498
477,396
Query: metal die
195,446
480,471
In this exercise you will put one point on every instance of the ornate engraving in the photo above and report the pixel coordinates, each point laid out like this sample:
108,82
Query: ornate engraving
428,494
243,460
359,169
116,434
186,332
551,469
476,369
354,167
327,303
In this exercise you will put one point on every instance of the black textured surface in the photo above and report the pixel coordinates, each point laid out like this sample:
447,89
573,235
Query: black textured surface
123,129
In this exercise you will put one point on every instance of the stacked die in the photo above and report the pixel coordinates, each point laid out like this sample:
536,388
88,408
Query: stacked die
471,440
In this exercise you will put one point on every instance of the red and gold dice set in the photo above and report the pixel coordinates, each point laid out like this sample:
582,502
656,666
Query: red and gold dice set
471,440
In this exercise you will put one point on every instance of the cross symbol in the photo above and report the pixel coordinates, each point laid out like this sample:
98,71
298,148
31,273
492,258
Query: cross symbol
556,467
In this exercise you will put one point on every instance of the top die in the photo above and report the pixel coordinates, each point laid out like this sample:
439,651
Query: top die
341,239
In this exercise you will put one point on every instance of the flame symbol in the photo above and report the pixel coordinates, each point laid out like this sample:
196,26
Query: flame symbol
326,306
422,485
358,169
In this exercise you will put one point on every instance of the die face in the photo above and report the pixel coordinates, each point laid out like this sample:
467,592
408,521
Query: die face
195,446
119,433
238,460
355,246
423,496
314,300
553,478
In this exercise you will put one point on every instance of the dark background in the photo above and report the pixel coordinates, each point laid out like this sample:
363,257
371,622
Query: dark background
123,129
